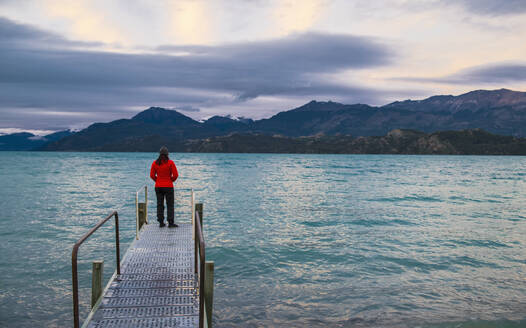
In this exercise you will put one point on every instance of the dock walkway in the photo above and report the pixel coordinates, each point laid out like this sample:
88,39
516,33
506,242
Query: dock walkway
157,286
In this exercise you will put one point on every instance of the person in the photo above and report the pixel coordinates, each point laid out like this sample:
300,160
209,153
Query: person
164,173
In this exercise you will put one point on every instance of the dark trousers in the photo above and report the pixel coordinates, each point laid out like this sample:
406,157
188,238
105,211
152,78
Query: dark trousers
162,193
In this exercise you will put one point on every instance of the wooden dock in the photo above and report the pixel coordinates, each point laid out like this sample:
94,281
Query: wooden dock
158,284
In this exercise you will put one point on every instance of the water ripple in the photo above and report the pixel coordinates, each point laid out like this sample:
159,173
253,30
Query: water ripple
298,240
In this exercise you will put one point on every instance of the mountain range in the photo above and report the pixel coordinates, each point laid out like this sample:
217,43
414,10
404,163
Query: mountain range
500,112
29,141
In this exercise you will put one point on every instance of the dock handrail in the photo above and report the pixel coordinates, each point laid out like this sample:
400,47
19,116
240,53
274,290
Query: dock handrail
137,208
74,261
200,242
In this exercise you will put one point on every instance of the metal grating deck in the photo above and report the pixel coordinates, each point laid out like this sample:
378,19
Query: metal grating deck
157,286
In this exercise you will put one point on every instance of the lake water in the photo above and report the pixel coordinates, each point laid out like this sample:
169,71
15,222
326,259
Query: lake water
298,240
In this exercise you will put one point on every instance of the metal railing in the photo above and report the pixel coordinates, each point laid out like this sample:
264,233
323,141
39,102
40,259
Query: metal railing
200,250
192,204
74,261
137,209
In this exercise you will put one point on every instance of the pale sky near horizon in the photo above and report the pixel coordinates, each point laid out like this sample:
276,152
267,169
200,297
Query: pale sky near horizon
67,64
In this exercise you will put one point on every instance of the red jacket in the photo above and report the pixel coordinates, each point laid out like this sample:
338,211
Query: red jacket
165,174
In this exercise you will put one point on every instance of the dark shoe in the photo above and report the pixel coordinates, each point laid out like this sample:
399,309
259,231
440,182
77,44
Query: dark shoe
162,224
172,225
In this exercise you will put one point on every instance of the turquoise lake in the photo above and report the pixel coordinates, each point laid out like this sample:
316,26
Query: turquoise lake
297,240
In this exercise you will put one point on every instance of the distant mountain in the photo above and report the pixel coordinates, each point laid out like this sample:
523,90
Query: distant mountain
154,121
498,111
17,141
221,125
329,118
163,117
29,141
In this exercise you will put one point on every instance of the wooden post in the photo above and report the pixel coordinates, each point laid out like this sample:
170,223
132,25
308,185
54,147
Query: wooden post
96,281
142,214
199,209
209,291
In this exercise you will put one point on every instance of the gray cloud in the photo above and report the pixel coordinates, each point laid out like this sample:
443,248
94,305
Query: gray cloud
187,109
24,36
488,8
496,73
40,70
493,7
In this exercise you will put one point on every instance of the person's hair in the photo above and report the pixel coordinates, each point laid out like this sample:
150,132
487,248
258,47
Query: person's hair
162,158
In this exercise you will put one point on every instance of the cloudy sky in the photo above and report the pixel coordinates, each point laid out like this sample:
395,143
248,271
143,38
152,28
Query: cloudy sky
67,64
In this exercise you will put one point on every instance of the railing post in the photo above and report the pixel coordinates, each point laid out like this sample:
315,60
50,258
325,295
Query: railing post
192,204
117,244
75,283
196,243
199,209
96,281
136,216
142,214
209,291
202,274
146,203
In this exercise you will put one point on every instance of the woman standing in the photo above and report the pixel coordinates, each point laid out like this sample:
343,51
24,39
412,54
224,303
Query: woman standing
164,173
